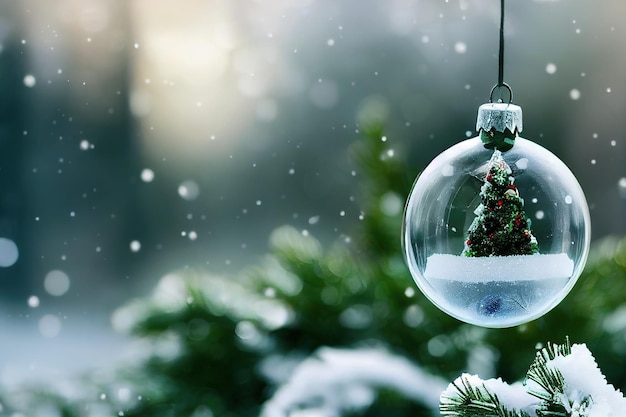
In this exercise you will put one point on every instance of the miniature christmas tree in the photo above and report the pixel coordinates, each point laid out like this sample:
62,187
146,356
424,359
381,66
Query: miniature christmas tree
500,227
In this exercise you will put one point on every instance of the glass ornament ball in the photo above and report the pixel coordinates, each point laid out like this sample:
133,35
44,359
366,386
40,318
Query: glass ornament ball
496,238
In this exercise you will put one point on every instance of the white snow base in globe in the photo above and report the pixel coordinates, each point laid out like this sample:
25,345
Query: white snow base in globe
498,291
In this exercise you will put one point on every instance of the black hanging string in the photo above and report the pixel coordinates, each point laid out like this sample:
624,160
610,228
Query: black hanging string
501,52
501,82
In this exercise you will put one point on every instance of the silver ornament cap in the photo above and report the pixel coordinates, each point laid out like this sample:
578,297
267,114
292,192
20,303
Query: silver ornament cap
499,116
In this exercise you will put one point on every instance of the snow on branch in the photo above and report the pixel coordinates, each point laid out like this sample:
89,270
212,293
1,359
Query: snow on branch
563,381
470,396
332,381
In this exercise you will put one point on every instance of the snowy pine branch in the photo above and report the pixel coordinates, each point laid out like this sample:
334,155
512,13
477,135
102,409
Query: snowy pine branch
563,381
472,399
550,380
333,381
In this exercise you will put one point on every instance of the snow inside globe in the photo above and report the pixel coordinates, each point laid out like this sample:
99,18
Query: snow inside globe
496,228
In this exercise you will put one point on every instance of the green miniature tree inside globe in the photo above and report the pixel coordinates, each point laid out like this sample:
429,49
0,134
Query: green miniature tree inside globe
500,227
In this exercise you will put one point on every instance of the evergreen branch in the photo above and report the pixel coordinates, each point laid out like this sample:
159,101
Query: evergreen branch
565,381
550,380
474,401
552,392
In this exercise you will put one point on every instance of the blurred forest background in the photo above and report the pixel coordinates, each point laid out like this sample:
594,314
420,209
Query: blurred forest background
153,144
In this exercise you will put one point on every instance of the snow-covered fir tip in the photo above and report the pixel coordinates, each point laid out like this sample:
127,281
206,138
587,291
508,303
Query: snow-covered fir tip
563,381
586,393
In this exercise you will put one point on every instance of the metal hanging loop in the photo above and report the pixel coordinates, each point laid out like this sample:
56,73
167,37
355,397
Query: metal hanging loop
500,87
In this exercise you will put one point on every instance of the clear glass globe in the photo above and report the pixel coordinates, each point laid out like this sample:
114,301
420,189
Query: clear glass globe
495,291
